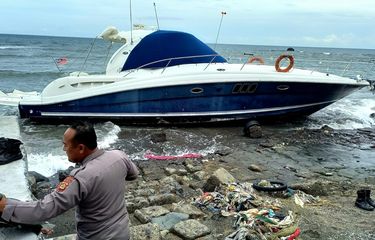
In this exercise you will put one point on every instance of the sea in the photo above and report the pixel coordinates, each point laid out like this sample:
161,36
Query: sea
29,63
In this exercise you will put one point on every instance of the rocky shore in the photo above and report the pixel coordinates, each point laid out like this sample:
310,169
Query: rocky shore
175,199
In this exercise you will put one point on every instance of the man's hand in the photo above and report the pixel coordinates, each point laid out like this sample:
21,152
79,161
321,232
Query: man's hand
3,202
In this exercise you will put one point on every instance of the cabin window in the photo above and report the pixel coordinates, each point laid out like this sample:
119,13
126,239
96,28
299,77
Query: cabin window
282,87
244,88
196,90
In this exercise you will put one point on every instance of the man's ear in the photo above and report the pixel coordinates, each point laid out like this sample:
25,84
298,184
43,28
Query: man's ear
81,147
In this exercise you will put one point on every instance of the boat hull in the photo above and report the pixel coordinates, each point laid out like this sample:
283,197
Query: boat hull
197,102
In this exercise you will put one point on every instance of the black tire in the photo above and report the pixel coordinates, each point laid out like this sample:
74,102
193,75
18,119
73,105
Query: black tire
280,186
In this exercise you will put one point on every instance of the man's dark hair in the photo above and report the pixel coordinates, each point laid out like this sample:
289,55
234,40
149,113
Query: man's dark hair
85,134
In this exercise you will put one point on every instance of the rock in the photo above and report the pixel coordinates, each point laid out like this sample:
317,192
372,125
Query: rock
255,168
38,177
196,185
315,188
167,221
253,130
370,180
32,183
167,181
64,173
145,215
326,128
170,171
130,206
162,199
145,192
290,168
159,137
176,172
214,237
200,175
193,168
223,152
149,184
189,209
182,172
42,189
170,185
129,196
220,176
266,144
140,202
148,231
43,185
191,229
170,236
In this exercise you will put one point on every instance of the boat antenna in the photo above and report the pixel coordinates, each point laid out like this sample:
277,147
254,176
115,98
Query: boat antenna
218,31
156,15
131,23
87,56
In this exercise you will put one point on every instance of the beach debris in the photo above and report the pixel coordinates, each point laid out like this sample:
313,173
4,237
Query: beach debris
300,198
239,234
10,150
364,200
290,168
253,215
269,186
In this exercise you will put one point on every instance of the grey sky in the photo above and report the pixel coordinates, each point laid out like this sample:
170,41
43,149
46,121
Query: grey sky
318,23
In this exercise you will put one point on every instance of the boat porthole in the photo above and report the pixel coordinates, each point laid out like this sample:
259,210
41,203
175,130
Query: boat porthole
196,90
282,87
31,111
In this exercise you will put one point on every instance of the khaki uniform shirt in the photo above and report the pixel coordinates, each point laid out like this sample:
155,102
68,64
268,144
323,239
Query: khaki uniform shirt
96,187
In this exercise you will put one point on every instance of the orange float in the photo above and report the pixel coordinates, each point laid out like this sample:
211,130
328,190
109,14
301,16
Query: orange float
256,59
278,61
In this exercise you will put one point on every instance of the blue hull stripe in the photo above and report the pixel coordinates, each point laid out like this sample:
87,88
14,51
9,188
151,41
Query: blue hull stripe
180,114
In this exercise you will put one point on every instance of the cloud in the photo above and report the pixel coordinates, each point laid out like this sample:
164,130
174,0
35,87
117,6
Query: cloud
333,23
329,40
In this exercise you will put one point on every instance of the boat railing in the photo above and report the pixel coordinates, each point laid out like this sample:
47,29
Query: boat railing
363,68
360,70
169,60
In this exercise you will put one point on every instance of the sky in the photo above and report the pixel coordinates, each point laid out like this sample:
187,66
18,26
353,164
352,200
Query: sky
310,23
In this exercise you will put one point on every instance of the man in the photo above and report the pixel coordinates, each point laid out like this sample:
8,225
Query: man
96,187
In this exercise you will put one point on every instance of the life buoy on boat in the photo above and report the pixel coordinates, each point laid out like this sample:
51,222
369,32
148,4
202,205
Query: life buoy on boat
256,59
278,61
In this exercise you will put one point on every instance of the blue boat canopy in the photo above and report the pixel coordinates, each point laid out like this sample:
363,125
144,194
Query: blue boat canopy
160,46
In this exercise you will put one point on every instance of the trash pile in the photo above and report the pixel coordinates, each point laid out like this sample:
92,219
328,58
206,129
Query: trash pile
255,217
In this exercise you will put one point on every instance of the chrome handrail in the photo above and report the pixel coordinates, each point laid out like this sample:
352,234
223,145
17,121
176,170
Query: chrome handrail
171,59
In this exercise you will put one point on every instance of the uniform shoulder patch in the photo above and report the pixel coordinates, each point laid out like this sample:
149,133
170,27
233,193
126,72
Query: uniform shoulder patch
64,184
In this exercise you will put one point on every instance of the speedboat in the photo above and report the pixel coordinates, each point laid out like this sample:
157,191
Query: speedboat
172,77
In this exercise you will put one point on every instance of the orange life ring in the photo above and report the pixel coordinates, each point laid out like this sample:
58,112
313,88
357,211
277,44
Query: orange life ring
279,59
256,59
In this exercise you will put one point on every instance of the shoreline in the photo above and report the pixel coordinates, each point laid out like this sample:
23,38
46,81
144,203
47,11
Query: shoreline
331,164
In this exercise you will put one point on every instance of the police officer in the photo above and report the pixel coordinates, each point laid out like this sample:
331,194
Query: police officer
96,188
